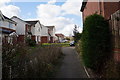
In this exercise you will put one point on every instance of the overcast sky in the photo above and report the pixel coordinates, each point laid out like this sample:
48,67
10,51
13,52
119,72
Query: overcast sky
63,15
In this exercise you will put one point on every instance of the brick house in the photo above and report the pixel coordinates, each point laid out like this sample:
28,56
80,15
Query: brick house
110,11
51,33
23,29
45,34
59,37
7,28
103,8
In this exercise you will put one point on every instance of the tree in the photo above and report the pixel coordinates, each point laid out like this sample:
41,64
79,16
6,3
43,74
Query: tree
76,33
96,42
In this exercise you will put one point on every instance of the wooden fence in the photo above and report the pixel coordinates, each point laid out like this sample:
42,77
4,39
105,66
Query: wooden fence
115,29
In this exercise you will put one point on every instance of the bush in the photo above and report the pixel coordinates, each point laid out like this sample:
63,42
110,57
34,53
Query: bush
19,61
96,42
12,56
31,42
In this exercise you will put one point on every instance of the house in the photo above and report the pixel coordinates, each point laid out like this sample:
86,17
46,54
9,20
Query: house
36,30
51,33
59,37
7,27
44,34
23,29
103,8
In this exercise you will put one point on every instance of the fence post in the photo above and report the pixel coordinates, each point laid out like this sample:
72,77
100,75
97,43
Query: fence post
10,72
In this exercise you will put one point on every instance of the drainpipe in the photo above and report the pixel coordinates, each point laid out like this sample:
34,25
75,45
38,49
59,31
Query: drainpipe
100,7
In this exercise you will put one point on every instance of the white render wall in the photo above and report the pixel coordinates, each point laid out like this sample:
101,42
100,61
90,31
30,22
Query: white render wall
7,24
44,31
53,32
37,29
20,28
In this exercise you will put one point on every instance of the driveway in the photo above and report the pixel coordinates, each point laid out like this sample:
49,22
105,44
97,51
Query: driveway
71,66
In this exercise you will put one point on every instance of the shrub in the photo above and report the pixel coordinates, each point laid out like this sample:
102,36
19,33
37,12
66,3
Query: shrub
31,42
12,56
19,62
96,42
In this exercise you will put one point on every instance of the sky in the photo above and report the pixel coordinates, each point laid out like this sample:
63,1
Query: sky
61,14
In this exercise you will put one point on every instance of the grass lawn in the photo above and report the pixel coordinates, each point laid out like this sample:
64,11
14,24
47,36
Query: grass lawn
59,44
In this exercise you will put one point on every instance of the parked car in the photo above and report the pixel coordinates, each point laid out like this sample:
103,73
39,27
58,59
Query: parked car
72,43
63,41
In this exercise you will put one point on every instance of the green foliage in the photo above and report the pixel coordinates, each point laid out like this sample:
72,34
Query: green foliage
67,38
96,42
31,42
77,37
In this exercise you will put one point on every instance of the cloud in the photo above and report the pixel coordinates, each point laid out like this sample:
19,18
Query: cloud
9,10
48,10
52,2
72,7
51,14
3,2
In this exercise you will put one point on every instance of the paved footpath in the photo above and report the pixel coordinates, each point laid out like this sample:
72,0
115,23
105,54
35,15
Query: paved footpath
71,66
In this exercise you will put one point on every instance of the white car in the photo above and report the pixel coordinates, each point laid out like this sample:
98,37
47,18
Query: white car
63,41
72,43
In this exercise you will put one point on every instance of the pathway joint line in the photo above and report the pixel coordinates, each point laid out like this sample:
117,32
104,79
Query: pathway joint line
86,72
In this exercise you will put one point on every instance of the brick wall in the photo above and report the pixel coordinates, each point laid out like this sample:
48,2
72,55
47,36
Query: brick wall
33,37
91,8
103,8
21,38
44,39
110,8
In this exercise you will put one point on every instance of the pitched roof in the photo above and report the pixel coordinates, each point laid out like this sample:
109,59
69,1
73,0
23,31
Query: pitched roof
83,5
20,19
6,18
32,22
50,26
59,35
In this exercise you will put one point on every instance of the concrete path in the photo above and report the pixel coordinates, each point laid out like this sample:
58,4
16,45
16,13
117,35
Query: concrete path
71,66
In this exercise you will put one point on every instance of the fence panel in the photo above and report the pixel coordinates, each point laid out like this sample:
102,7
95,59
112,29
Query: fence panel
115,28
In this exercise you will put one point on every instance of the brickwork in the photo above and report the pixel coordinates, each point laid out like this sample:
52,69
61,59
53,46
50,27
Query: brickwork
21,38
44,39
33,37
103,8
91,8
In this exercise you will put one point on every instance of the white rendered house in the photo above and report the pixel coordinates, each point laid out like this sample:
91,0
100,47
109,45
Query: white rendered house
23,29
36,30
7,26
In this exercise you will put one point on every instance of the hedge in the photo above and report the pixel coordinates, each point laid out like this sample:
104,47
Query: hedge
96,42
